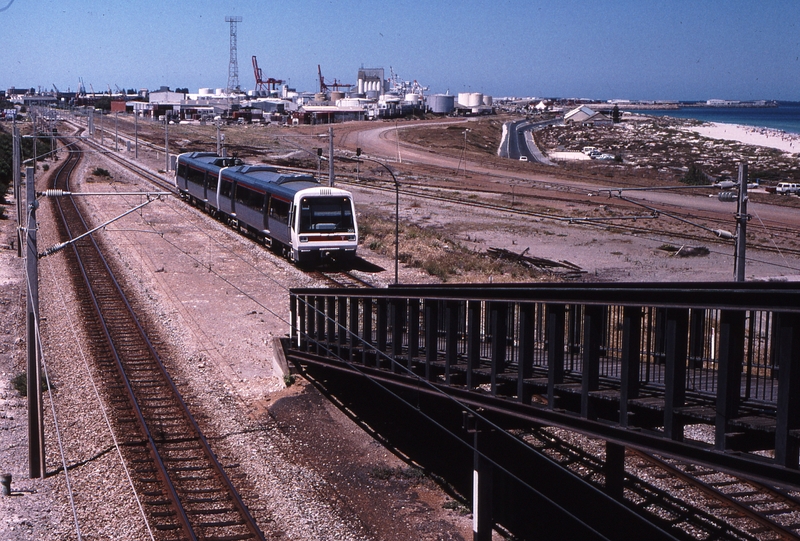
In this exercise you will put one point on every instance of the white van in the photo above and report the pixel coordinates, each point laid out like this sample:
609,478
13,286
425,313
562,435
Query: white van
787,188
589,150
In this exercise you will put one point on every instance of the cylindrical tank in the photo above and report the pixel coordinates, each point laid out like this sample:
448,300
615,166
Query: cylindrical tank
463,98
442,104
336,96
205,91
412,98
487,100
361,86
475,99
319,96
219,91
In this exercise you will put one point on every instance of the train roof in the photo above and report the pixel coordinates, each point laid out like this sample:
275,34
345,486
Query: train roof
264,177
270,179
211,158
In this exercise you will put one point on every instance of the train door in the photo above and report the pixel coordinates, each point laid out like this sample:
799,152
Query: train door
265,214
278,219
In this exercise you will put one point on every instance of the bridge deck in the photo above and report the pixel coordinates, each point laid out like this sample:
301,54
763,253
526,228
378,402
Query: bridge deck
635,363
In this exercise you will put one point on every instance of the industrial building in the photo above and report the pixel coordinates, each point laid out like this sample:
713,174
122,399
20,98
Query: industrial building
373,96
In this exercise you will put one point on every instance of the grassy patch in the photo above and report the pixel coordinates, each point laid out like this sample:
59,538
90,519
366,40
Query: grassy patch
20,383
438,254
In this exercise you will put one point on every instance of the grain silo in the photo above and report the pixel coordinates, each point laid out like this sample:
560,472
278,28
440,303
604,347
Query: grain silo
370,80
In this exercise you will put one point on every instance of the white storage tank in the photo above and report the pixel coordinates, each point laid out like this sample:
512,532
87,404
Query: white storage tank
463,98
487,100
442,104
412,98
206,92
475,99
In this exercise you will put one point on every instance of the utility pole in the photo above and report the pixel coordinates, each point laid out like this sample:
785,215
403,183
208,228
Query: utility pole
17,164
741,223
330,156
166,142
136,133
36,457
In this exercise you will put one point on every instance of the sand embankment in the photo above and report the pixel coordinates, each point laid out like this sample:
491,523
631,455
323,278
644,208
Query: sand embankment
749,135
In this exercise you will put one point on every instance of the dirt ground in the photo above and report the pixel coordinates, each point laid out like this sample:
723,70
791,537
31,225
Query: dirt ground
220,300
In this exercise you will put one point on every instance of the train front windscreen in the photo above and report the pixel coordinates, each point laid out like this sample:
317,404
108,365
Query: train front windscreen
326,215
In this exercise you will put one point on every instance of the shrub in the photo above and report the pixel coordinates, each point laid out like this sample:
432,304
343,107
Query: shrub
695,176
20,383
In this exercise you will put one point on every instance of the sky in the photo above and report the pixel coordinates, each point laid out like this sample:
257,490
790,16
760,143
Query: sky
604,49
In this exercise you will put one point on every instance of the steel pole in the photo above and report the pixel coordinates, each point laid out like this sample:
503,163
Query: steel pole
741,224
36,458
330,155
17,165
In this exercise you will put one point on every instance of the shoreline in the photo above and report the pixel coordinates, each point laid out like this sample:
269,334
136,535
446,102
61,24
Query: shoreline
749,135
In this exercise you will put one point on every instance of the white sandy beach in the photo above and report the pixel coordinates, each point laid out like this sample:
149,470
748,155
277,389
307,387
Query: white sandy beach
765,137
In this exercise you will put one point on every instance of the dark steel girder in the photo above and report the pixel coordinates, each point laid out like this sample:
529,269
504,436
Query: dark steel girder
735,463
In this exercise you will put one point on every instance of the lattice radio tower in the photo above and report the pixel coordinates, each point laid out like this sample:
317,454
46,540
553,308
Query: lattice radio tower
233,65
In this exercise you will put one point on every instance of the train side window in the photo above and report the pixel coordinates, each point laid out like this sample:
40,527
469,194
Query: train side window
249,197
279,210
195,176
212,182
182,170
225,188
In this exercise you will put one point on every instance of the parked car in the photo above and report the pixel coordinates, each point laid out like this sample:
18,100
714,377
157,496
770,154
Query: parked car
787,188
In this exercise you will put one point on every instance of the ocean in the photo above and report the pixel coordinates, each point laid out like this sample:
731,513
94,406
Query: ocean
783,117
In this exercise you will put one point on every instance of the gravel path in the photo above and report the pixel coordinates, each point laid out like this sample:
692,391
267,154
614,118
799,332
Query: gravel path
216,301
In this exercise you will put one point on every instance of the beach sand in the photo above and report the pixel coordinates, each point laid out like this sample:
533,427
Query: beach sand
749,135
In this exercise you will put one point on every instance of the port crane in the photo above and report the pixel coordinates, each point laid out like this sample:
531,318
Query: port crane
260,82
336,85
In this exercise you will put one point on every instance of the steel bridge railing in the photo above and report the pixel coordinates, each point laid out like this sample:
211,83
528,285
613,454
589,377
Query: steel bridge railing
653,356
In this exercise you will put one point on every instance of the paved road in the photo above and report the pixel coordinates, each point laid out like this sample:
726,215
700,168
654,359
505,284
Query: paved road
380,143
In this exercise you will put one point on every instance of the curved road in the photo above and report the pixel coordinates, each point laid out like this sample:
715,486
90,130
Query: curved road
381,143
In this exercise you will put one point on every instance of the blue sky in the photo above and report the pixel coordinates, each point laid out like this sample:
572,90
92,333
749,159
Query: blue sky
684,50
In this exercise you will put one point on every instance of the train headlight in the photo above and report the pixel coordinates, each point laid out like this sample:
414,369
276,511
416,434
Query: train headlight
303,239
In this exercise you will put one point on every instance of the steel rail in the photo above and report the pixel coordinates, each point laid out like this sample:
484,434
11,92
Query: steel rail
740,506
163,471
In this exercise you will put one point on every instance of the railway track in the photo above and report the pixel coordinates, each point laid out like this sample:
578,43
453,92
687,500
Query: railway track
774,510
184,489
338,279
692,499
780,237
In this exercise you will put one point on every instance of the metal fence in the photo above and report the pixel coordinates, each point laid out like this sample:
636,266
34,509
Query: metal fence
719,346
